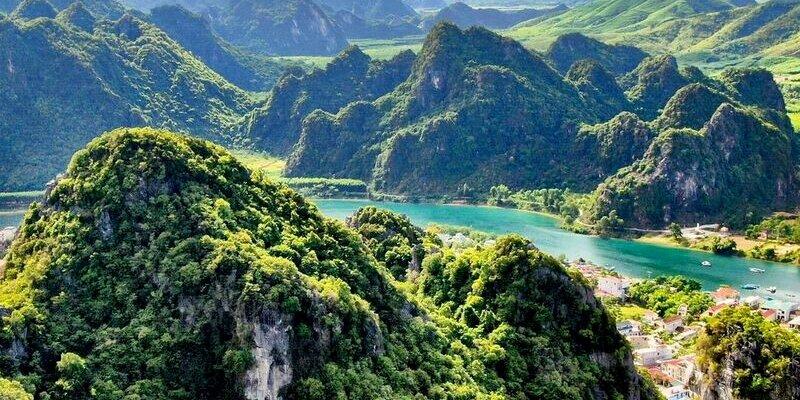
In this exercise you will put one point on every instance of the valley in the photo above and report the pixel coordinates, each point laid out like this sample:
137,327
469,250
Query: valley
399,199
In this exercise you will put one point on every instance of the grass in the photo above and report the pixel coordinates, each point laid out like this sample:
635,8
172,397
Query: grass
270,165
633,312
385,49
18,195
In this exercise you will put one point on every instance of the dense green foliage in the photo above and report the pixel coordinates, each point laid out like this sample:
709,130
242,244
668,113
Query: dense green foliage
481,289
552,201
447,125
567,49
734,168
748,357
391,238
160,267
784,228
327,187
64,84
352,76
666,295
718,245
194,33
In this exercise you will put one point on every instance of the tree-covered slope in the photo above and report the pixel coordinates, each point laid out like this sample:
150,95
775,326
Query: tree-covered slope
351,76
448,125
194,33
159,267
111,9
572,47
742,355
64,85
719,157
375,10
278,27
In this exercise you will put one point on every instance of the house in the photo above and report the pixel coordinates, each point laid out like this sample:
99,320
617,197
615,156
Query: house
753,302
715,310
615,286
769,315
676,393
679,369
673,323
651,318
687,334
629,327
725,294
643,341
795,324
652,355
782,308
659,377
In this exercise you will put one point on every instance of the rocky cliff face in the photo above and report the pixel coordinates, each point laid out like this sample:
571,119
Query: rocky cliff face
690,176
293,27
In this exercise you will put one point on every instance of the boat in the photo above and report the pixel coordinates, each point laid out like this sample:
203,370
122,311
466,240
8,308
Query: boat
706,263
772,289
791,295
757,270
750,286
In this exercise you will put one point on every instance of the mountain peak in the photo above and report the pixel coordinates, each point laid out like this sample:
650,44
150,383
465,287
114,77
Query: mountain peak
30,9
77,15
572,47
691,107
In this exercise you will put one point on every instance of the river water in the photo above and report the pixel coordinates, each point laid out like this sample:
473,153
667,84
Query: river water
640,260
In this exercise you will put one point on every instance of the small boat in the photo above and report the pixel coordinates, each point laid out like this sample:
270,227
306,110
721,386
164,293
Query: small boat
706,263
750,286
757,270
772,289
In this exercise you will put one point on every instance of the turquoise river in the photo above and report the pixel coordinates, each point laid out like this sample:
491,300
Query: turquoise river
630,258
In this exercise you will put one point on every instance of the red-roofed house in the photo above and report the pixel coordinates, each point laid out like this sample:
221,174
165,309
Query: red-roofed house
673,323
769,315
715,310
725,294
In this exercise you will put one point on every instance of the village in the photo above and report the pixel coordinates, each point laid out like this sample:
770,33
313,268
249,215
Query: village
664,345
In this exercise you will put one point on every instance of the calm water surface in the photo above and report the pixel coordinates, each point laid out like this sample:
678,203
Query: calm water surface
10,218
634,259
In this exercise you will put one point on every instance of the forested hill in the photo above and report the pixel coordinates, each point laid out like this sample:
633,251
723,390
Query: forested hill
160,267
447,130
69,78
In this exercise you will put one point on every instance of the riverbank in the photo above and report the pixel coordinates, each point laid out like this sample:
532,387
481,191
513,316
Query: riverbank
773,251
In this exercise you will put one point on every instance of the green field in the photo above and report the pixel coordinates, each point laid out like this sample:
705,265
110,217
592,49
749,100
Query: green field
270,165
385,49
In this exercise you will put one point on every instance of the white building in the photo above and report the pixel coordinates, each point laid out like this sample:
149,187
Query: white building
676,393
783,309
652,355
614,286
795,323
629,328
